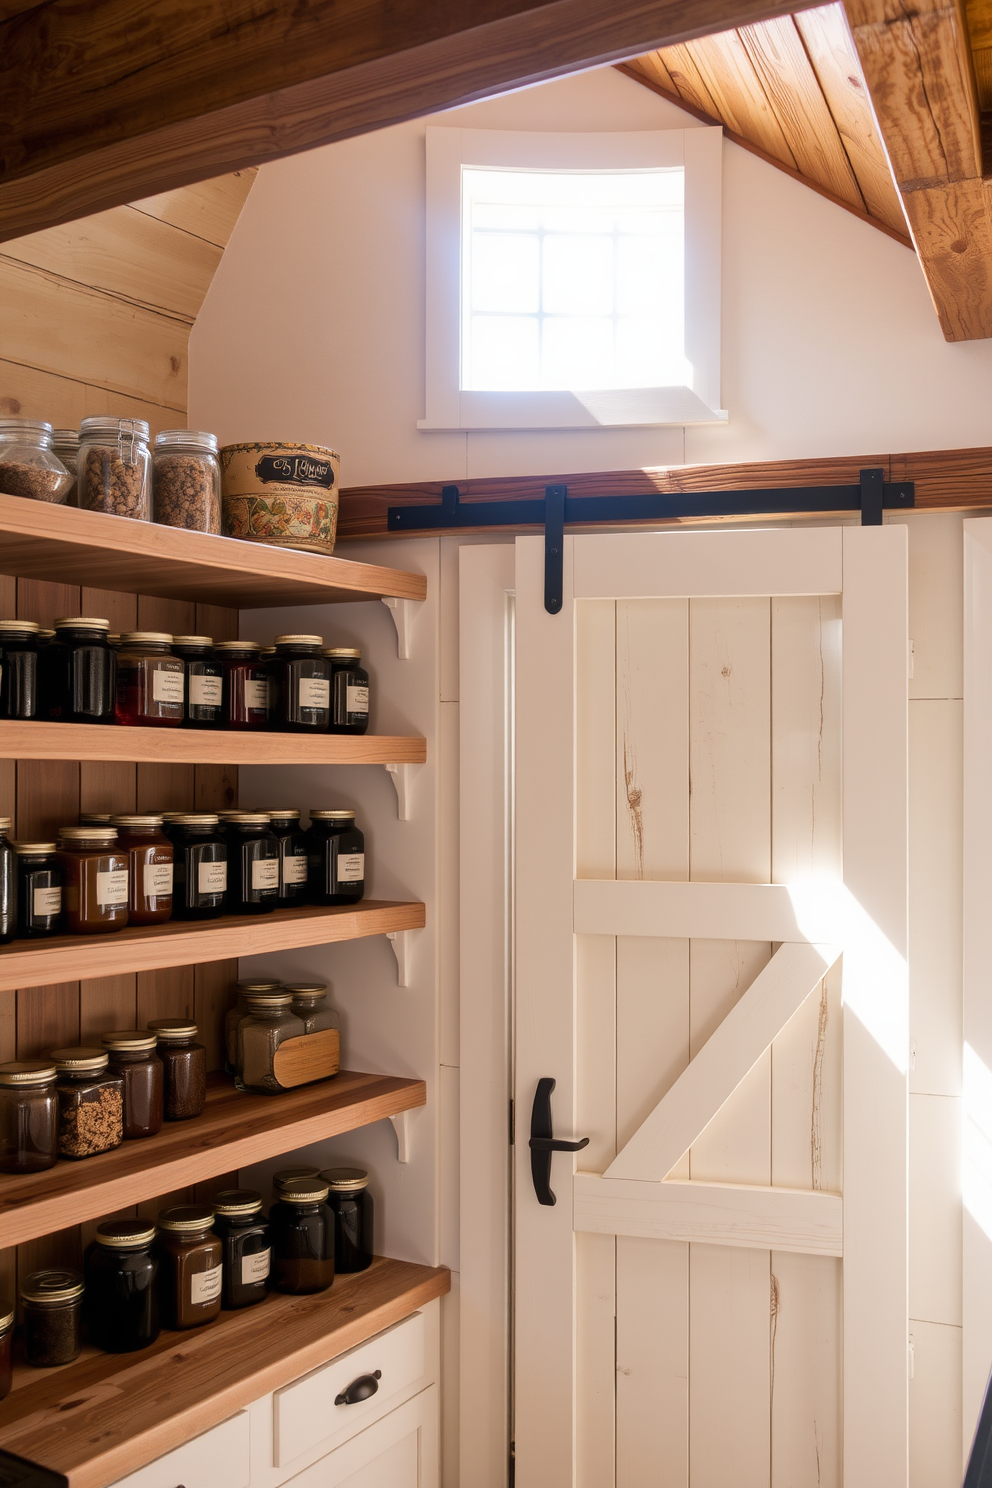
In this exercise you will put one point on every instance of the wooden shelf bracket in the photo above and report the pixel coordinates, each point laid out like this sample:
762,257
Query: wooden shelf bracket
401,944
402,777
403,612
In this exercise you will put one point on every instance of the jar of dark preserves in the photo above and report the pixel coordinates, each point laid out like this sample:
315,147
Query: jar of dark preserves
77,672
302,1231
39,890
244,1234
90,1103
292,856
236,1012
151,681
149,853
94,880
336,852
191,1260
354,1213
6,1349
28,1116
184,1066
253,860
301,685
121,1304
199,885
268,1023
204,681
349,690
19,691
8,884
133,1056
246,685
52,1302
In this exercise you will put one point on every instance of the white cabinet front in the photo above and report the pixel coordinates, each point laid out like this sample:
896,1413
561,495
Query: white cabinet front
398,1451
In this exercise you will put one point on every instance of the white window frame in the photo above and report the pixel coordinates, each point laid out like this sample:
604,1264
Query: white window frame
699,151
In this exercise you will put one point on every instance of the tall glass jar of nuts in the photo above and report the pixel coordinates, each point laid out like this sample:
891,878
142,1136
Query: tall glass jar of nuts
186,480
115,467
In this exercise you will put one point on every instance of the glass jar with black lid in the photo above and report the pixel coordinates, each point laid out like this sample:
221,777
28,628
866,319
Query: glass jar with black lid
351,1203
204,681
19,690
301,685
199,867
268,1023
8,884
78,671
292,856
121,1303
244,1234
28,1116
336,853
184,1066
39,890
253,863
302,1231
150,868
133,1056
151,682
90,1103
245,702
349,690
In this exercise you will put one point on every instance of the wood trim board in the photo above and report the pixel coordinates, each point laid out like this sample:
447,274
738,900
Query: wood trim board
178,746
720,911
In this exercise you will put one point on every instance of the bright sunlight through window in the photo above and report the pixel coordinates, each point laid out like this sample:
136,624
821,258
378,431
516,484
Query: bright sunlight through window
572,280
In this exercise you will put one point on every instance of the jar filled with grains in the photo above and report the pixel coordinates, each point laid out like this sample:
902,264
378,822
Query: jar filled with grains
28,1116
115,467
94,880
133,1057
149,854
39,890
122,1302
191,1260
29,465
186,480
8,884
52,1302
6,1349
19,692
184,1065
65,444
90,1103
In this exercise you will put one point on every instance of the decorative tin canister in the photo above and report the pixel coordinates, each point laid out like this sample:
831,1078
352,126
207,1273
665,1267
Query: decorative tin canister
283,494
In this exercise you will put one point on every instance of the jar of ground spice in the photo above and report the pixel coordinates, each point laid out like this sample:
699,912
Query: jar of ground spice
94,880
149,853
236,1012
115,467
6,1349
121,1299
90,1103
133,1056
20,696
186,480
77,672
204,681
151,681
39,890
244,1234
28,464
199,887
302,1231
184,1066
9,899
268,1023
191,1260
28,1116
52,1302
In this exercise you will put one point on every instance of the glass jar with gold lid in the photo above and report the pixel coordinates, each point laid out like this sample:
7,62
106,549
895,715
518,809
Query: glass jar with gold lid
28,1116
122,1303
236,1012
90,1103
94,880
6,1348
52,1302
133,1056
191,1257
150,868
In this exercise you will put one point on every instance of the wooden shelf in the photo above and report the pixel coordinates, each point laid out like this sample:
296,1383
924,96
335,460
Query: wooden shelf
234,1131
73,958
180,746
39,541
107,1415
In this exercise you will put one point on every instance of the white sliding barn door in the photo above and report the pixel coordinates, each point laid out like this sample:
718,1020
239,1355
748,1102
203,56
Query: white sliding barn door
711,794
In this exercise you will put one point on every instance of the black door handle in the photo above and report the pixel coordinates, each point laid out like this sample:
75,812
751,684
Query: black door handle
543,1141
359,1389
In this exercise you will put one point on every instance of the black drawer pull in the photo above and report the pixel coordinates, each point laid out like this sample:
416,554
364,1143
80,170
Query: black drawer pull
359,1389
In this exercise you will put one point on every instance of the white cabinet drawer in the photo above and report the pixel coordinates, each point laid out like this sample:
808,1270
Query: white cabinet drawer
304,1414
398,1451
218,1457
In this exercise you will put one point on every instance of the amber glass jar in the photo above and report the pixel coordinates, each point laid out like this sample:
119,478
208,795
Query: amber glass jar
6,1349
349,690
90,1103
151,681
28,1116
149,854
8,884
301,685
77,672
246,685
121,1303
184,1066
199,890
191,1260
310,1003
244,1234
354,1214
336,851
94,880
253,860
292,856
204,681
39,889
302,1231
19,692
236,1012
133,1056
268,1023
52,1302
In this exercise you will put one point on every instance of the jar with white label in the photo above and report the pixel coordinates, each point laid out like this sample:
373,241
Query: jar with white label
253,863
191,1266
336,851
150,856
245,702
39,890
301,685
349,690
151,681
292,856
199,885
244,1234
204,681
94,880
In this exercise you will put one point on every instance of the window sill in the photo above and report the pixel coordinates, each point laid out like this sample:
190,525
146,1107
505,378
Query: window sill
609,408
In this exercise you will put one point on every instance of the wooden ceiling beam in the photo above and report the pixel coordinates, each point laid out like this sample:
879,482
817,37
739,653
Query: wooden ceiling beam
918,66
106,103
